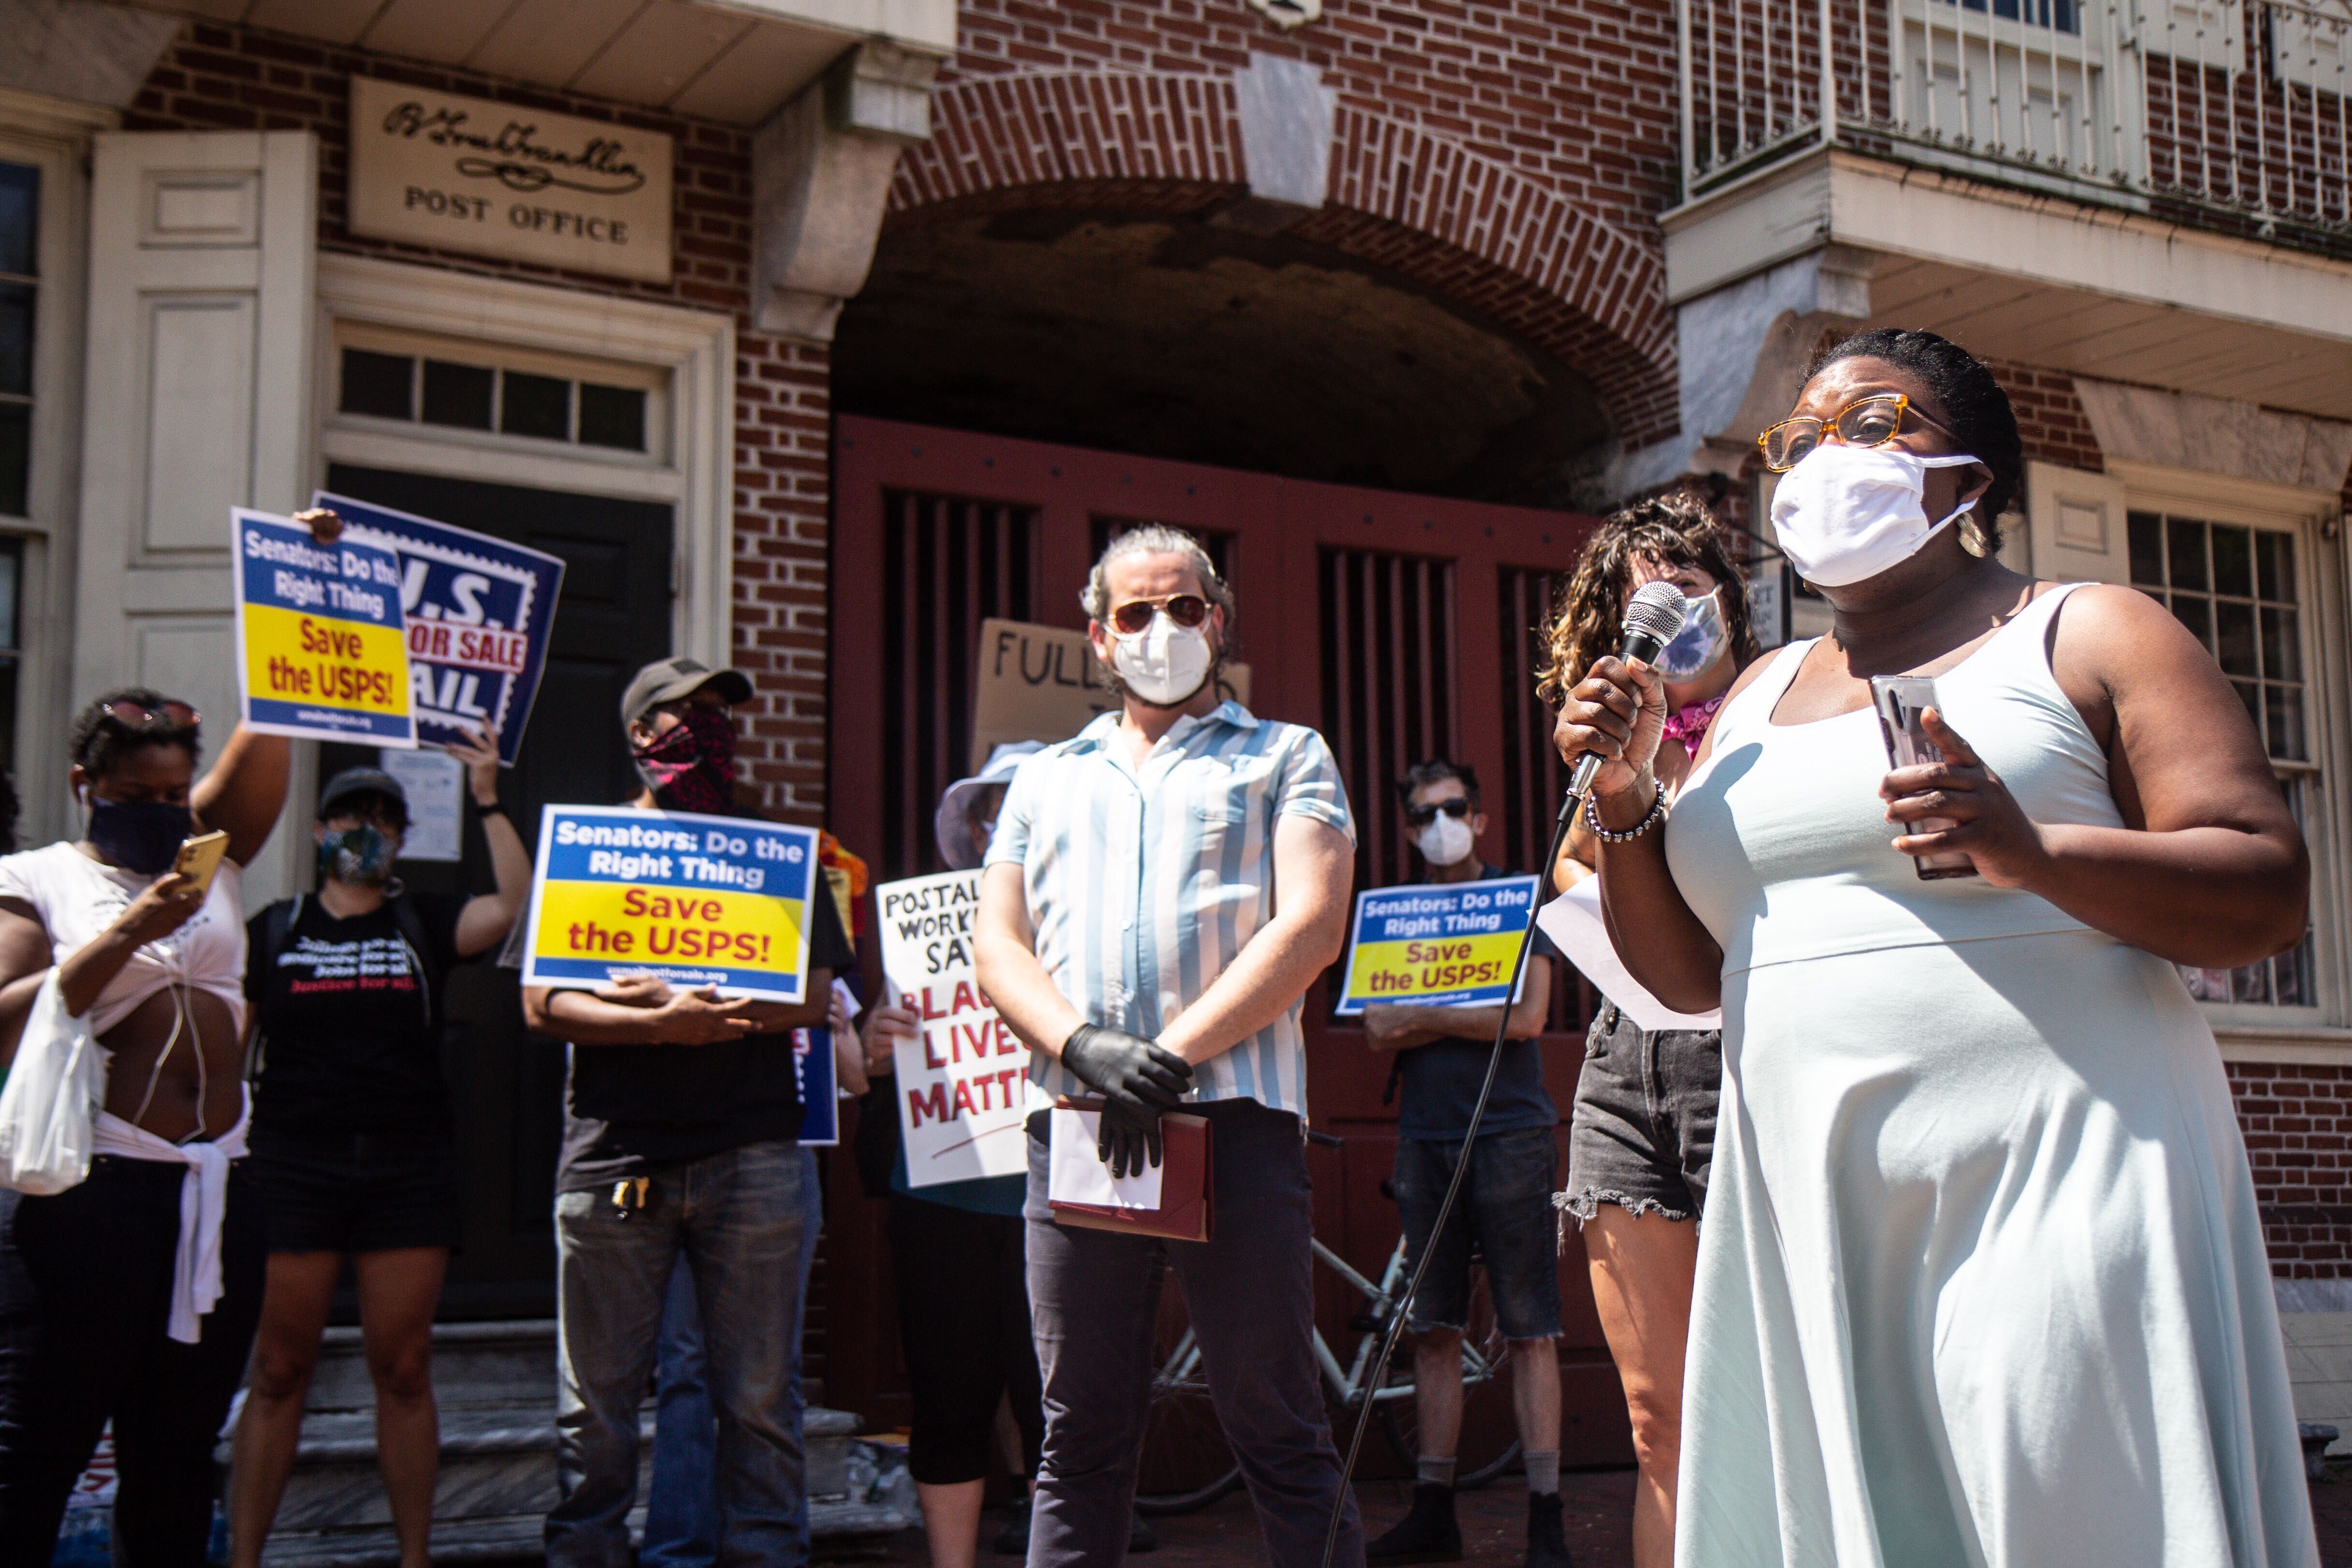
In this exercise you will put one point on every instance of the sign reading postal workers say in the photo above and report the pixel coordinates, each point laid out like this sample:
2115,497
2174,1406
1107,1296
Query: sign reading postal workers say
320,649
721,902
963,1083
499,179
1450,943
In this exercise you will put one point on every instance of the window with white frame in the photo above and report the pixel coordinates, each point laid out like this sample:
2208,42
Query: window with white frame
2240,589
468,390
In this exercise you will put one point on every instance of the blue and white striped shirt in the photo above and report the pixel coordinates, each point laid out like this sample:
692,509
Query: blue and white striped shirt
1144,885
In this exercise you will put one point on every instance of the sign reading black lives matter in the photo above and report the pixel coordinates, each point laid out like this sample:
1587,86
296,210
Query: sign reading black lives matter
501,179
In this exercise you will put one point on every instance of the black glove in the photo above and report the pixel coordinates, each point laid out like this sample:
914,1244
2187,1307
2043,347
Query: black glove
1137,1080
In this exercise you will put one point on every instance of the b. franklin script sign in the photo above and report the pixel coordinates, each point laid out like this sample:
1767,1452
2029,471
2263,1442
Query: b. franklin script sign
499,179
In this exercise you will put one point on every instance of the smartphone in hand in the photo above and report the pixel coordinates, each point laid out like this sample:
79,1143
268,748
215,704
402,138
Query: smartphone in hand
200,856
1900,700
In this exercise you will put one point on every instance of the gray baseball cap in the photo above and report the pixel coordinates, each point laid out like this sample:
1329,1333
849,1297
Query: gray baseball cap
362,781
668,680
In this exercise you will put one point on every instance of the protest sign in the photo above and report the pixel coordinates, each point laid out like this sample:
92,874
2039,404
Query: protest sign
1042,683
698,900
961,1082
434,784
1437,944
479,614
319,649
820,1096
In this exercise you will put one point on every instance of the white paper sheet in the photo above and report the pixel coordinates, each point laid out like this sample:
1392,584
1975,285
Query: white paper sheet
1076,1174
1573,922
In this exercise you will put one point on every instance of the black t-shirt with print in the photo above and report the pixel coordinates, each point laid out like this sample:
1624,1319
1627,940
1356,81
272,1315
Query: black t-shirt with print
632,1110
348,1044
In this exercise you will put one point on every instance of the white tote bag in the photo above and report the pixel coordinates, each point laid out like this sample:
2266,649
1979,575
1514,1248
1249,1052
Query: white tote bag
54,1090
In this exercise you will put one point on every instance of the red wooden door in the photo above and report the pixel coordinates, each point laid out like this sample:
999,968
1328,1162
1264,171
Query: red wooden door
1399,625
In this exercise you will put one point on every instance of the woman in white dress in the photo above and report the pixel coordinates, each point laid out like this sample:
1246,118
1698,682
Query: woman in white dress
1982,1281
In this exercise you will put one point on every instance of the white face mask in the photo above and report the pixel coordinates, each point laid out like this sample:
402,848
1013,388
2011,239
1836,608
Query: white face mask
1847,513
1164,663
1447,841
1700,642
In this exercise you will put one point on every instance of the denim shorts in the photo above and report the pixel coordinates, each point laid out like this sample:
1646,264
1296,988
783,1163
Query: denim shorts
1642,1134
1505,1210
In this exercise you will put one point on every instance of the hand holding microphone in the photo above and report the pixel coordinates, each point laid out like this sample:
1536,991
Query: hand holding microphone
1613,720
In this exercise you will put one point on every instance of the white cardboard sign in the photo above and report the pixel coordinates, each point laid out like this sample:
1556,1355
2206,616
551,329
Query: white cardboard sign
962,1081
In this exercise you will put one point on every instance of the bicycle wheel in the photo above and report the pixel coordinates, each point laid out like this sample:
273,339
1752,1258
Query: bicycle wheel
1489,1443
1185,1463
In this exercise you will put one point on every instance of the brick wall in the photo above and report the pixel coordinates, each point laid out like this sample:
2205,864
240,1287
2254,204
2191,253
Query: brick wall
2298,1125
232,78
1510,157
2049,417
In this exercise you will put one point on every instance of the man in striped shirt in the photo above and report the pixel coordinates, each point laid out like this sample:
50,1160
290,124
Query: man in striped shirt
1160,891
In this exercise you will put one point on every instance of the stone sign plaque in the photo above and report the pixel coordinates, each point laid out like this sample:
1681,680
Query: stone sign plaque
499,179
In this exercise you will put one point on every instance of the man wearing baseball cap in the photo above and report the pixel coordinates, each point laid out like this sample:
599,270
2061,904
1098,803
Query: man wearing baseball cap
680,1120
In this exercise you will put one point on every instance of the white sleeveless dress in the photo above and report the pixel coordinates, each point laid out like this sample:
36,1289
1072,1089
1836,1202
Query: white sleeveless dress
1982,1279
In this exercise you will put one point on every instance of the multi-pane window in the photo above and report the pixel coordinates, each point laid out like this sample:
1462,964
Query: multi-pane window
20,202
2237,590
422,389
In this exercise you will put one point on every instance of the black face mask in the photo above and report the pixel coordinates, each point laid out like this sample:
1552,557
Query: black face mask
141,836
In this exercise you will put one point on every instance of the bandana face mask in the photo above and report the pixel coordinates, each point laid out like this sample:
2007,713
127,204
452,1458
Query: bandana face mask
691,766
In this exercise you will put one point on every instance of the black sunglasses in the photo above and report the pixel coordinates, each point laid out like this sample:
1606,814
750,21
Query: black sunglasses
1423,815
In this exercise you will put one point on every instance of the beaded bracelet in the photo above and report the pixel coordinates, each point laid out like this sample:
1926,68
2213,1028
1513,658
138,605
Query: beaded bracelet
1657,814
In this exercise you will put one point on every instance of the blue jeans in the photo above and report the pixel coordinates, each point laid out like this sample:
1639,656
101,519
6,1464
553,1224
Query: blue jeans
682,1500
745,1222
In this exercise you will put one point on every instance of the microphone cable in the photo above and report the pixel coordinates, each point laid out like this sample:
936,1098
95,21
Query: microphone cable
1404,1307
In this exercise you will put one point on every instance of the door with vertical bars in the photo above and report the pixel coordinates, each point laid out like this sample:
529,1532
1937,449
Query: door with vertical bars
1401,627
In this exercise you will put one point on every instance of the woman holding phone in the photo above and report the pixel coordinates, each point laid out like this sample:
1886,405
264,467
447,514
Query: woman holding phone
1642,1134
132,1297
1982,1279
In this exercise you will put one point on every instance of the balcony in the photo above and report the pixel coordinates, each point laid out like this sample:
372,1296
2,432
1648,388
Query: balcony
2053,181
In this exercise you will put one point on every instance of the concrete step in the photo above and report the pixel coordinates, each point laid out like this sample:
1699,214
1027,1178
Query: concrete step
495,1386
474,1366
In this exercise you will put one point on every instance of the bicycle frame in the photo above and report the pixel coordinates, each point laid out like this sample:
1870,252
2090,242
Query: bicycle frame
1182,1366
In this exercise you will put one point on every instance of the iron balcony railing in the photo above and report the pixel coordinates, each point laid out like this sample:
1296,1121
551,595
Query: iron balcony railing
2227,113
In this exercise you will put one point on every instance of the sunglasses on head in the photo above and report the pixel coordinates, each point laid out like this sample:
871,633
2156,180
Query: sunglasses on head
1870,421
1187,610
177,714
1423,815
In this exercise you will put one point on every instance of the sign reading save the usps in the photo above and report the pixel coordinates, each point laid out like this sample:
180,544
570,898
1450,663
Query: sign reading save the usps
322,648
721,902
1437,944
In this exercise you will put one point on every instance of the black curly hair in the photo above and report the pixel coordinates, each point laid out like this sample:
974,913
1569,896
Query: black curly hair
101,740
1973,406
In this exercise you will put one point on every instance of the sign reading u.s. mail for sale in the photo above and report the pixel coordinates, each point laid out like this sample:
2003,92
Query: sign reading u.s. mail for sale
480,613
962,1081
1437,944
320,649
718,902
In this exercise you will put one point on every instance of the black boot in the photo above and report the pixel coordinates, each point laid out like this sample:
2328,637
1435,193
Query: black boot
1547,1545
1427,1534
1140,1537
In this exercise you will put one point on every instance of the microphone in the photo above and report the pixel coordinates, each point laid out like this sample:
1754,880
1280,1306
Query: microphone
1654,616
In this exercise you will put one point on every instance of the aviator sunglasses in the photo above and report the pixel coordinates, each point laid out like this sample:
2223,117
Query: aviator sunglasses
1423,815
1187,610
1870,421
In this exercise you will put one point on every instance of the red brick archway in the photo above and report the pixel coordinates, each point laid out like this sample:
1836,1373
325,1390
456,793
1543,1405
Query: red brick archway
1402,196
